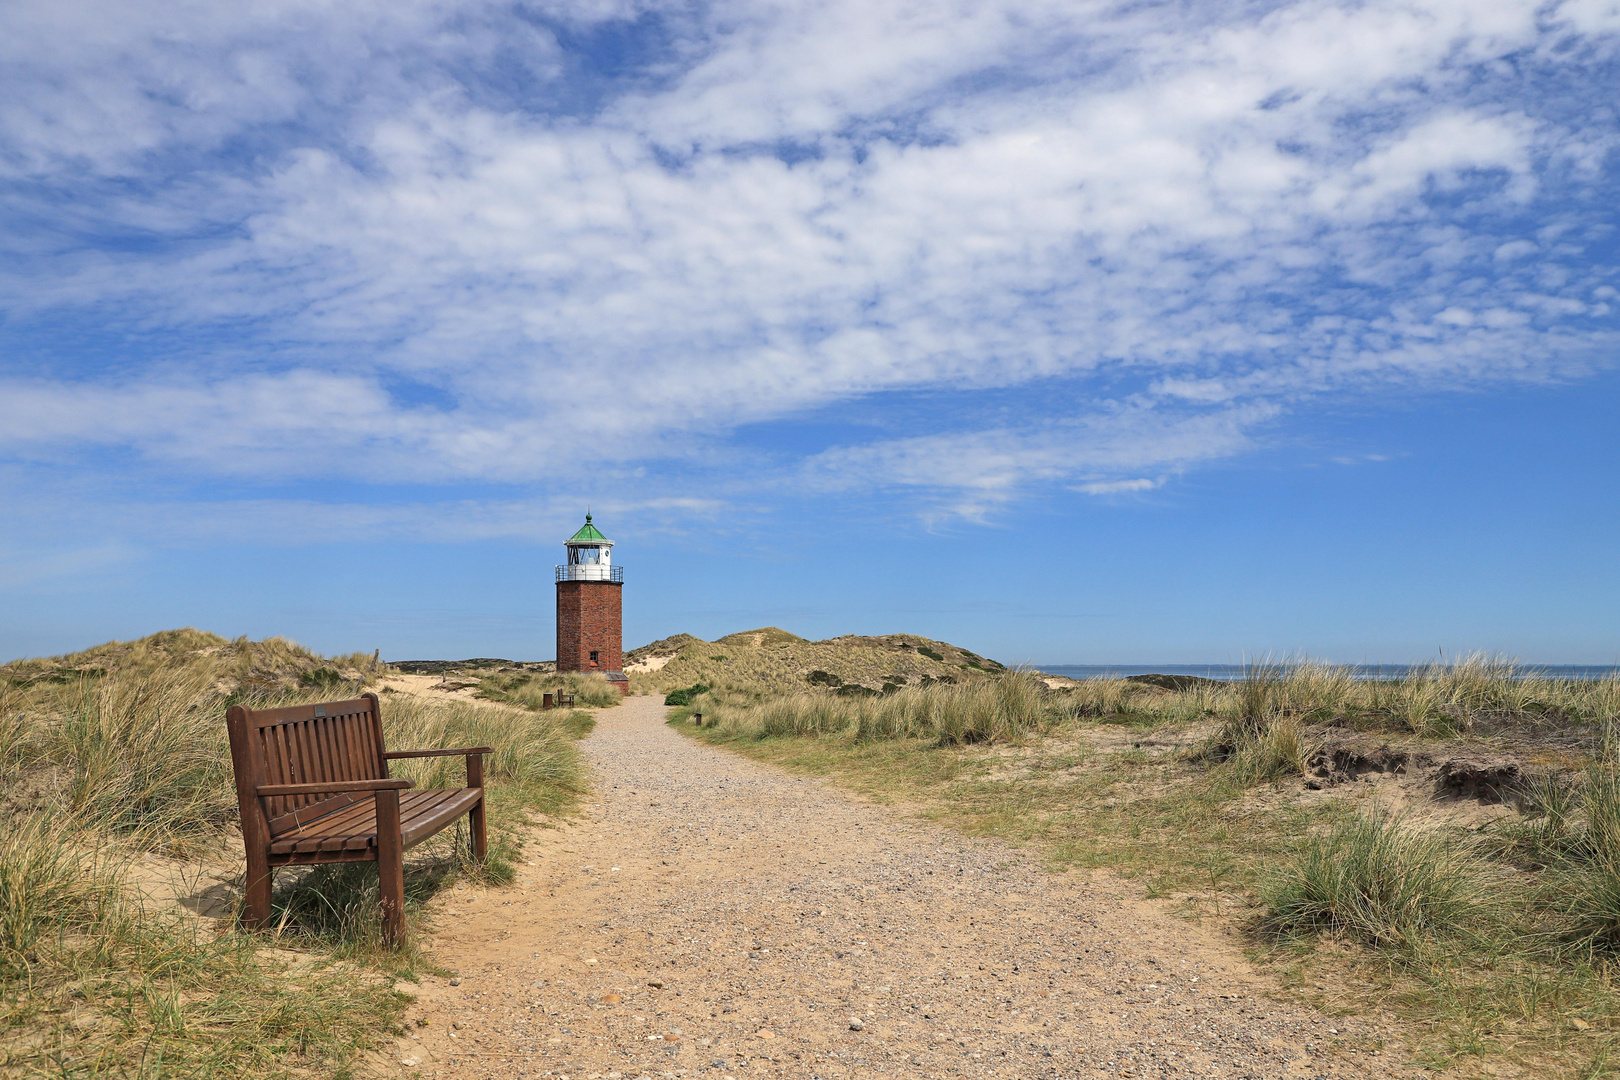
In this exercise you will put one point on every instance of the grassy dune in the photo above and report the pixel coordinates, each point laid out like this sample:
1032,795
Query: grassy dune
1495,940
120,751
770,662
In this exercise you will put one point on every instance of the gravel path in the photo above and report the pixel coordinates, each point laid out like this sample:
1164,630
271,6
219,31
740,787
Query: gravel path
713,917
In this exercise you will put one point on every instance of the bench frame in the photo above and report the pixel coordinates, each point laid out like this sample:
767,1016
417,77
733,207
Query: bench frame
312,781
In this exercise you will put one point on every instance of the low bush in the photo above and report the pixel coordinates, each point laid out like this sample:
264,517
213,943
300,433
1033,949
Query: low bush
686,696
1260,736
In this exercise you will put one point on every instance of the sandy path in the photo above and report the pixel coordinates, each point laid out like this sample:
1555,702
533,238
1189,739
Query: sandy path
714,917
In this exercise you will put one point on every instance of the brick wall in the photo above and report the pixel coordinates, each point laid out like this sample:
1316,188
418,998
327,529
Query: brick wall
590,617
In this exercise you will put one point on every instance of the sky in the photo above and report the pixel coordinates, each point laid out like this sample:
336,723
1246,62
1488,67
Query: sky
1070,332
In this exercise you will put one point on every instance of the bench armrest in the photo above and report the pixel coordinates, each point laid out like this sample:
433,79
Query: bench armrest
453,752
332,787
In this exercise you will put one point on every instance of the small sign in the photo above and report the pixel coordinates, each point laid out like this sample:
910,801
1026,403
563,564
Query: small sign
320,710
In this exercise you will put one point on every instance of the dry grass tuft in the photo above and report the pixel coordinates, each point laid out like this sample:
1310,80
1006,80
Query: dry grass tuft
1375,879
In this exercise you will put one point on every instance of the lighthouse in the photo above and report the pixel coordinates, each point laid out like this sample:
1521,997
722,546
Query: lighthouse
590,608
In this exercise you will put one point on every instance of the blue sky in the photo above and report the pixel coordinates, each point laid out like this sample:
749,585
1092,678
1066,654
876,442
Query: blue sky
1070,332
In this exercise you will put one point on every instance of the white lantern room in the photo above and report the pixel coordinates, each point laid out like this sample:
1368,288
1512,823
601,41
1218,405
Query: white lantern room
590,557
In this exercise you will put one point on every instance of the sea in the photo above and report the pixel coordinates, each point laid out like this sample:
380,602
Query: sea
1234,672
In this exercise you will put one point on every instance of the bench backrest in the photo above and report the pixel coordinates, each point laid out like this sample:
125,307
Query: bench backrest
303,744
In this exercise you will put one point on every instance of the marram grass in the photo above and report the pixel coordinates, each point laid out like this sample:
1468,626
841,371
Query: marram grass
1375,878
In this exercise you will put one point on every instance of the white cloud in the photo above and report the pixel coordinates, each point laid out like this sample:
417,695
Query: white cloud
1591,16
992,466
423,272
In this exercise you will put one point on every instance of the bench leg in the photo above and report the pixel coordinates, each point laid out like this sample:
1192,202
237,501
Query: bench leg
260,877
475,818
390,867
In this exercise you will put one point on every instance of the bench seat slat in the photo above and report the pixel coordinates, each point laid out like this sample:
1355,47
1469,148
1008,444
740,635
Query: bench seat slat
357,820
421,812
338,820
419,823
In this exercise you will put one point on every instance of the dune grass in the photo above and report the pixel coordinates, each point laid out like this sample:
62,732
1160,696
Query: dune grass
1375,879
121,750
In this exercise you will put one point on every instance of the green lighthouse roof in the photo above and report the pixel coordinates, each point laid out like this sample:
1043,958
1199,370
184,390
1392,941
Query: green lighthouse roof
587,532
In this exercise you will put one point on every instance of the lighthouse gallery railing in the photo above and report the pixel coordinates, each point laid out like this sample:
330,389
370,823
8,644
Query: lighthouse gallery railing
591,572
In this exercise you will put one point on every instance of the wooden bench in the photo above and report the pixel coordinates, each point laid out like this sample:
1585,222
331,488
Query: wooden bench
313,786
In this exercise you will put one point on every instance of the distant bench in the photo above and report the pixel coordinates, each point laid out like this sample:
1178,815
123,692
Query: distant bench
313,787
557,701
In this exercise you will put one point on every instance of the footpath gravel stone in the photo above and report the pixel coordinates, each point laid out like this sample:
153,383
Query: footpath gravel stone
715,918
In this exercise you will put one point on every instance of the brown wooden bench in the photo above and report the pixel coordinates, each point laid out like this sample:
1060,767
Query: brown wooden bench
313,786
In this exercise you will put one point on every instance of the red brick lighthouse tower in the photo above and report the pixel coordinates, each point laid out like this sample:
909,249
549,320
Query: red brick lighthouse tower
590,608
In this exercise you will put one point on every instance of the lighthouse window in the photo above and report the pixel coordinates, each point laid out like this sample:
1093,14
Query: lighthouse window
593,656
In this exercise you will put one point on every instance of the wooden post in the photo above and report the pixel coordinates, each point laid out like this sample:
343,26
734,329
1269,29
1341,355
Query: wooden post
390,866
245,760
475,779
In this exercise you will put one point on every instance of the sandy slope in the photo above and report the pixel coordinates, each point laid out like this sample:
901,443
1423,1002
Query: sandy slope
714,917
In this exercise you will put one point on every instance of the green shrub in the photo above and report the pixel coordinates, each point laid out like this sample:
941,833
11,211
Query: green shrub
686,696
140,754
